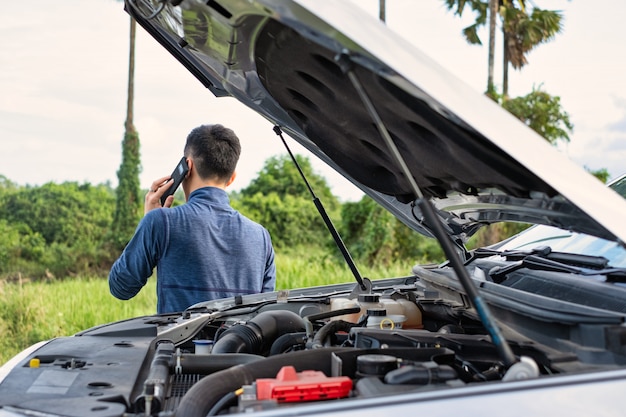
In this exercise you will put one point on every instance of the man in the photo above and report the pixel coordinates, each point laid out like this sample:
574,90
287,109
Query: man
203,249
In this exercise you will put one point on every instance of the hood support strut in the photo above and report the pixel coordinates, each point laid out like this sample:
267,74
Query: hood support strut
506,354
329,224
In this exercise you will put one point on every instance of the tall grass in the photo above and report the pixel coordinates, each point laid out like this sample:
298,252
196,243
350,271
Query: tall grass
312,270
35,311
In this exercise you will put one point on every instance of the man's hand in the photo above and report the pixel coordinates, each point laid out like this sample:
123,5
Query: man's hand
157,189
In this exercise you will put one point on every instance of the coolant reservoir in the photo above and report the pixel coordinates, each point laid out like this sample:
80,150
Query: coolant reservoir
364,302
378,318
400,306
406,308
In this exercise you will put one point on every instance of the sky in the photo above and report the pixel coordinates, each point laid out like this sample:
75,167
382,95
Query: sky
63,82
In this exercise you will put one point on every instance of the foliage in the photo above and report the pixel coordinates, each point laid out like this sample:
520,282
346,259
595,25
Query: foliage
280,200
55,228
20,248
291,220
543,113
523,29
376,237
602,174
280,175
129,201
61,213
61,230
6,184
494,233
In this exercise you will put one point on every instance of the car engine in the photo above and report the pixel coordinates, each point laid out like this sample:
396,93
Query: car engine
277,350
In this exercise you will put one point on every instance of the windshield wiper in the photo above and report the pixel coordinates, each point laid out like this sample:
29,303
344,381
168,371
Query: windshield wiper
545,260
575,259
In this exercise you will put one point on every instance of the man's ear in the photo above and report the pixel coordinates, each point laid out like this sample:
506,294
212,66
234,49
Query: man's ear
232,178
190,165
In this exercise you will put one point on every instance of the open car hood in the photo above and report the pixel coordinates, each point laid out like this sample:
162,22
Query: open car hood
306,66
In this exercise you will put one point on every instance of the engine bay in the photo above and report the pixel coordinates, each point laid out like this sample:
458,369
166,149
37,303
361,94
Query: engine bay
276,350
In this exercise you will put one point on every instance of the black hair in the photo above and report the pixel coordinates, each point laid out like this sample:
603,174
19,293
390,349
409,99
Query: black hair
215,151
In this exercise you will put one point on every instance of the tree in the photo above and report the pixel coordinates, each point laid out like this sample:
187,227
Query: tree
55,229
6,184
67,213
128,202
376,237
279,199
279,175
602,174
522,31
543,113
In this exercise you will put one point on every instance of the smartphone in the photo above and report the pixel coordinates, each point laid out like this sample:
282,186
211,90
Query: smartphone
178,176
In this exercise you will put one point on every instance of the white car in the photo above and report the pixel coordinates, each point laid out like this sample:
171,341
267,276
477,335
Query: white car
531,326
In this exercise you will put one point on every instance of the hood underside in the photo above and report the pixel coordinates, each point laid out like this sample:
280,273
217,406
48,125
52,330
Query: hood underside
306,65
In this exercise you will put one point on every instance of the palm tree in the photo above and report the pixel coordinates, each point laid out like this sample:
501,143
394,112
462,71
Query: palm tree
522,32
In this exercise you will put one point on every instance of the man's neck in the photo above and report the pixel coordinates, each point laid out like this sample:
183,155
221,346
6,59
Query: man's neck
195,183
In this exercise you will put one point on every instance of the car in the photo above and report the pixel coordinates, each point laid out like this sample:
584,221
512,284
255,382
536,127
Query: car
533,325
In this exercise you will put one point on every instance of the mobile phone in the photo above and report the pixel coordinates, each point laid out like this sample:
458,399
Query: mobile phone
178,176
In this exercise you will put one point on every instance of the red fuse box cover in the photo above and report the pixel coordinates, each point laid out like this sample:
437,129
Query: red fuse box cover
292,386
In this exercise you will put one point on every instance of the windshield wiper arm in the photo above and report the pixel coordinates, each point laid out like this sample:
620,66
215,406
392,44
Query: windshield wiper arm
543,263
574,259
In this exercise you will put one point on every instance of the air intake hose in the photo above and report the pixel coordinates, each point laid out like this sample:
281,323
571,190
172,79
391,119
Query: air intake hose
258,334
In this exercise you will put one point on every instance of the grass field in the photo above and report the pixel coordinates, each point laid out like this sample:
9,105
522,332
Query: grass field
35,311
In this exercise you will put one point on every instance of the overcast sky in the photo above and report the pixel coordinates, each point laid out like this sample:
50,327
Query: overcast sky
63,80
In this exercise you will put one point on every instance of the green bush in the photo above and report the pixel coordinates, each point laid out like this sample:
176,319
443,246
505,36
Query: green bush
291,220
376,237
55,229
69,213
64,230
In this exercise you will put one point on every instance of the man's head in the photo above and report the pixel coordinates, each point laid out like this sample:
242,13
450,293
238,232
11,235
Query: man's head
214,150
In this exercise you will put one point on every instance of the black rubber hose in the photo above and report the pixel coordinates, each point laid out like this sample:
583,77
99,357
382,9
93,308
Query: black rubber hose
308,320
288,341
329,328
258,334
228,399
201,398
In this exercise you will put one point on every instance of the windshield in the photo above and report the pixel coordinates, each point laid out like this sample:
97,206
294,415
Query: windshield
563,241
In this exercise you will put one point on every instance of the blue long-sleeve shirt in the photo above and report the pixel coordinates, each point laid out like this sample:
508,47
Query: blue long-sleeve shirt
202,250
